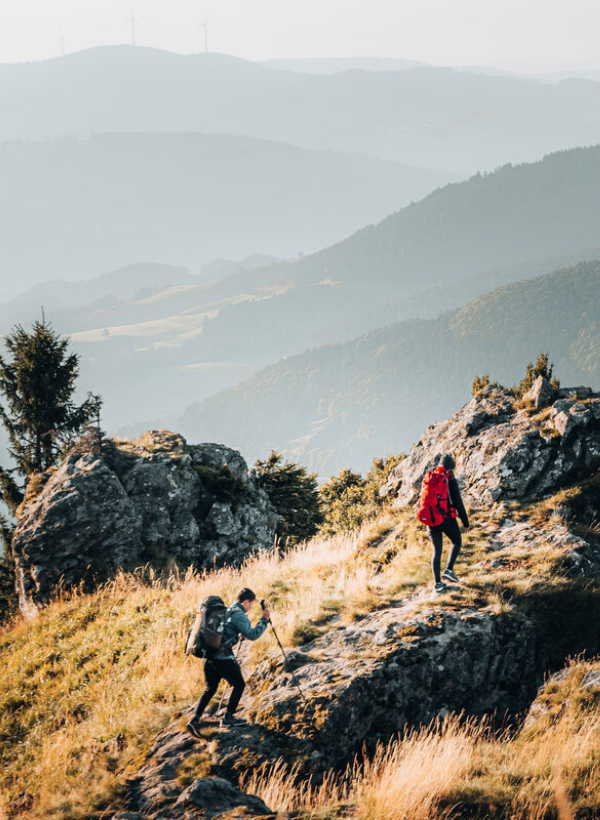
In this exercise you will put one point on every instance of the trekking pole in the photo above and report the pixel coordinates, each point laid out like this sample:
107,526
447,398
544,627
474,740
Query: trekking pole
287,663
225,688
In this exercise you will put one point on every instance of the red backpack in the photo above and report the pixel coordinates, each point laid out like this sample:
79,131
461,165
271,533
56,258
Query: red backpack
434,505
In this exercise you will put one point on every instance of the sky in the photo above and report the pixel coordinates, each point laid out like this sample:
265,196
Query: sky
521,35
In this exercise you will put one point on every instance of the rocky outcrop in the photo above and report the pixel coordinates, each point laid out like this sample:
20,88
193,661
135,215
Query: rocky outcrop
165,785
158,500
576,686
506,453
393,669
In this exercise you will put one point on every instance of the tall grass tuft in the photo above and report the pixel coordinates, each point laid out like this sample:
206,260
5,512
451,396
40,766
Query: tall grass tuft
406,779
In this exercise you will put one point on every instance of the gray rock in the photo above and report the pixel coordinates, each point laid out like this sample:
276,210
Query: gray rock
82,524
215,795
502,454
394,669
579,392
156,500
541,393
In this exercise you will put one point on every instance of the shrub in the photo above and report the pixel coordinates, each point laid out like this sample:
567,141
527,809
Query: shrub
223,484
295,496
8,596
542,367
349,500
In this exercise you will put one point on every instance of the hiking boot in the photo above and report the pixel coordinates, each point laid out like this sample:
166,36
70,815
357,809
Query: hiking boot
440,588
450,576
232,720
193,728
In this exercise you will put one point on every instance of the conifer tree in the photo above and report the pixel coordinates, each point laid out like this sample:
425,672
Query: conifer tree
294,494
37,384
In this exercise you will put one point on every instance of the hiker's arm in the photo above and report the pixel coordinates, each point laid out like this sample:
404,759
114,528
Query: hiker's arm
457,501
242,623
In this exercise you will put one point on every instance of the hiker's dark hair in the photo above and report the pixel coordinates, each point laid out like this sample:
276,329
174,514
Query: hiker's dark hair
245,595
448,462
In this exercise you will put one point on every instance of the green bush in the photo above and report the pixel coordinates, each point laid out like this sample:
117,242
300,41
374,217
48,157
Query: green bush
348,499
295,496
8,596
223,484
542,367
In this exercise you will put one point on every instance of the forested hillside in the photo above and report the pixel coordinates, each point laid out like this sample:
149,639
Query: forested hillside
154,356
339,405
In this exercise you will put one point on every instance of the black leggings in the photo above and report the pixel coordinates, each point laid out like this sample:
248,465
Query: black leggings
452,530
214,672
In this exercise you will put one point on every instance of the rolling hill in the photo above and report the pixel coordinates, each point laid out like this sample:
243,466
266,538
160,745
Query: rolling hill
342,405
74,208
427,117
435,254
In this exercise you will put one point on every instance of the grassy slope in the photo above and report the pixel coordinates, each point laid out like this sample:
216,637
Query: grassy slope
88,685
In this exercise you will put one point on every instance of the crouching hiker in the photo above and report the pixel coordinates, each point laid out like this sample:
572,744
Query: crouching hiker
213,636
438,506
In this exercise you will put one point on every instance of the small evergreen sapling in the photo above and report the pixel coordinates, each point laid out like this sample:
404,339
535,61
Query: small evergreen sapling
543,367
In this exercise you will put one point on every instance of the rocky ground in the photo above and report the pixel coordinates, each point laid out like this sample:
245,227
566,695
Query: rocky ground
526,602
396,668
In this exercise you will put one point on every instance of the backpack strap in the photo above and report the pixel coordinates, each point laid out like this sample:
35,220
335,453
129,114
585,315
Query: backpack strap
451,507
229,644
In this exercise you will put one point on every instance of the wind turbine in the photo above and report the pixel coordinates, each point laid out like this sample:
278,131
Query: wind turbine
134,23
205,26
62,40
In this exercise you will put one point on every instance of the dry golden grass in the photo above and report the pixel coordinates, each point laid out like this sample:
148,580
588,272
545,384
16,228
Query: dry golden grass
90,682
88,685
458,769
408,778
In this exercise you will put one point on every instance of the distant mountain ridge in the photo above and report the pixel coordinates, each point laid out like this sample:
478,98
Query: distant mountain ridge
119,199
517,215
427,117
342,405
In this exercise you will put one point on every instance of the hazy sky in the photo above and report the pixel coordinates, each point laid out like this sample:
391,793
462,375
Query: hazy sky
528,35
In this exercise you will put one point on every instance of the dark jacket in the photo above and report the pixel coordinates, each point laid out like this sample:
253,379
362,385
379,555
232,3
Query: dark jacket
456,501
238,624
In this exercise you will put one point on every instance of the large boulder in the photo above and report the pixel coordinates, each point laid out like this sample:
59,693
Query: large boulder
395,669
503,452
541,393
157,500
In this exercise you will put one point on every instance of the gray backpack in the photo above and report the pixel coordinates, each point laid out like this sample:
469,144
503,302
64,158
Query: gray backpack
206,635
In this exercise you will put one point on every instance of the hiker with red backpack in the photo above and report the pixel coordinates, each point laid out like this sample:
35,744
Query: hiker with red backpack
438,506
215,632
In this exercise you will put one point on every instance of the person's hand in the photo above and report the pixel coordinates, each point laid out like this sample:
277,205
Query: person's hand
467,528
266,614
